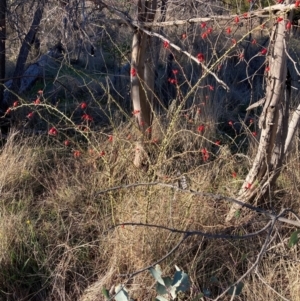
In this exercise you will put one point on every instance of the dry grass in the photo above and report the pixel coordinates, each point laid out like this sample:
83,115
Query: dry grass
54,228
57,236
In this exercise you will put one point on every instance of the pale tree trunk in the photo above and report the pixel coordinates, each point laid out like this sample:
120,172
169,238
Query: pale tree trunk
142,78
2,51
293,125
273,123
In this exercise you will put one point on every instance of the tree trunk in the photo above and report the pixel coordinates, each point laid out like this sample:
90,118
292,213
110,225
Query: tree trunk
2,51
142,77
24,51
273,123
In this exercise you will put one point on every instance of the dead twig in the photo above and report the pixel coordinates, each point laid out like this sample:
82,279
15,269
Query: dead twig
216,197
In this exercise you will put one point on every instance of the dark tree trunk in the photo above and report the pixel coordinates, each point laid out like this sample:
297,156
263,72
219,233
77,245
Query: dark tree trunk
2,51
25,49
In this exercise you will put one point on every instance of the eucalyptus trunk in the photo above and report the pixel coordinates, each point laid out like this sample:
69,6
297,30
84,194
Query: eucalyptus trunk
273,122
142,77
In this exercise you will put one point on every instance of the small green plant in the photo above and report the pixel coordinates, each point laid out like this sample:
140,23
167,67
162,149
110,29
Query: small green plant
294,238
168,288
121,293
236,289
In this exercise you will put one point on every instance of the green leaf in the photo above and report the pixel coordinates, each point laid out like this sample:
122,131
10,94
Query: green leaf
156,273
121,293
294,238
238,289
237,213
105,293
244,256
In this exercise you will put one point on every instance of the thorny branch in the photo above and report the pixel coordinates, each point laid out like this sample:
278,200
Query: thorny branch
140,25
208,70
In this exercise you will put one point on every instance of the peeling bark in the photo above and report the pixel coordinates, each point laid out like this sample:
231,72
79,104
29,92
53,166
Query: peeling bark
273,123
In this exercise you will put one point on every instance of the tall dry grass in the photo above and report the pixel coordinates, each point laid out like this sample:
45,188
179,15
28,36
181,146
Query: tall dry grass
57,241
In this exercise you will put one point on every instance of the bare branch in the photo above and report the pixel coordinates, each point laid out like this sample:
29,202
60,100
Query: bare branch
186,235
199,233
216,197
208,70
288,55
258,258
261,13
256,104
270,225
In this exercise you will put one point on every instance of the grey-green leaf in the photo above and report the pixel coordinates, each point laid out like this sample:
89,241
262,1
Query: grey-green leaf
161,289
237,213
294,238
177,278
181,281
167,280
156,273
160,298
238,289
173,292
121,293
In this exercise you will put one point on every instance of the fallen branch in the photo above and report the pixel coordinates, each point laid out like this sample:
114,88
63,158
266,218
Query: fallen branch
216,197
270,225
254,265
187,234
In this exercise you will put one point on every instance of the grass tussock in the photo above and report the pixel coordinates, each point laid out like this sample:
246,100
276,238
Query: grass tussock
59,238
